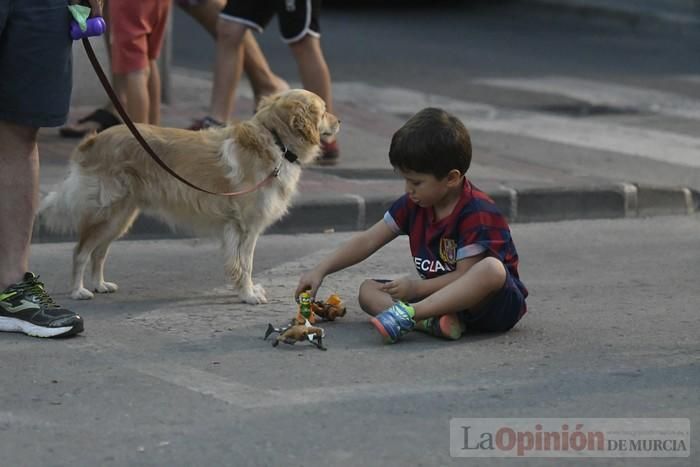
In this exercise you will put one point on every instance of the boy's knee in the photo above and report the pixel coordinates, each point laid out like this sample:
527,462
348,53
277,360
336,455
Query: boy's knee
367,288
493,272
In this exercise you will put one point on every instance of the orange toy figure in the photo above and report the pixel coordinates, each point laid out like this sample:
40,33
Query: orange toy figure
305,312
329,310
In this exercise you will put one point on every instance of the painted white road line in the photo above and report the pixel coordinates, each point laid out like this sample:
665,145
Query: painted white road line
586,133
249,397
605,93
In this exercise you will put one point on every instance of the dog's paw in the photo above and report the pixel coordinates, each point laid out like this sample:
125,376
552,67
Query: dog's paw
255,296
106,287
81,294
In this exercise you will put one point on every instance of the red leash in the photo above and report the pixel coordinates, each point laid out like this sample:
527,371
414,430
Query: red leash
134,131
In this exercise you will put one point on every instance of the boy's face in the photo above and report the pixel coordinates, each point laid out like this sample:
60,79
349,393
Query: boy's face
424,189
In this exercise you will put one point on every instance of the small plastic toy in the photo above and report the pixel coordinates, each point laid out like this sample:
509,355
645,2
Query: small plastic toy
294,333
329,310
305,312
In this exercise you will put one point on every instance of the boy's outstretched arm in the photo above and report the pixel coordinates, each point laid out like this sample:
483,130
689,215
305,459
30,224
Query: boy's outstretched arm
358,248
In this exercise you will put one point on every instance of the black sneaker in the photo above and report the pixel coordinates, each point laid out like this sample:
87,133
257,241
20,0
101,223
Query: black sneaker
26,307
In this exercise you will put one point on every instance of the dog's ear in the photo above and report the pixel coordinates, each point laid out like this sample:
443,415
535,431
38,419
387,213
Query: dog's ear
305,121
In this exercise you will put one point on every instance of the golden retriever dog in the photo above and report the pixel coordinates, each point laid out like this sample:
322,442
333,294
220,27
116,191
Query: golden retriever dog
112,179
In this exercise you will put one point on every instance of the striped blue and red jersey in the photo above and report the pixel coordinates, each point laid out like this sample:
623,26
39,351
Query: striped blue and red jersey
474,226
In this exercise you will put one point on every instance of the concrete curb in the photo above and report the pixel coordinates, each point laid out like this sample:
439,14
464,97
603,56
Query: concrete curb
644,16
350,212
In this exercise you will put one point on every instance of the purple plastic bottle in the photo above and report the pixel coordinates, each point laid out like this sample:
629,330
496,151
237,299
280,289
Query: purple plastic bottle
95,27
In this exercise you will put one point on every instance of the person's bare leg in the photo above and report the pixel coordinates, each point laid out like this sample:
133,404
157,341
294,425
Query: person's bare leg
137,95
263,81
469,290
313,69
154,94
19,182
227,69
255,65
372,299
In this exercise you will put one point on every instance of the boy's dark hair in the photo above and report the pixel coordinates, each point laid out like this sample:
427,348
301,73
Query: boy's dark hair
431,142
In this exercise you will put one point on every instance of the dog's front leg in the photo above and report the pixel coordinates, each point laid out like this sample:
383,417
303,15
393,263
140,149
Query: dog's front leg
239,248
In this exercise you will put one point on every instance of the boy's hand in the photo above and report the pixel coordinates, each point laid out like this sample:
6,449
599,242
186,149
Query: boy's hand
310,281
400,289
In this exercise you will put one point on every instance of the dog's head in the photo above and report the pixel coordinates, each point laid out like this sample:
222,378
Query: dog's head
300,119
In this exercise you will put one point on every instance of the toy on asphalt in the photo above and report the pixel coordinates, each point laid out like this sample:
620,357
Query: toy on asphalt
300,328
294,333
305,313
329,310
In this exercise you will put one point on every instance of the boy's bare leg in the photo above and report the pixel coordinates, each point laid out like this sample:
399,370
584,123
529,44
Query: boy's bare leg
154,93
19,179
227,69
469,290
313,69
372,299
137,100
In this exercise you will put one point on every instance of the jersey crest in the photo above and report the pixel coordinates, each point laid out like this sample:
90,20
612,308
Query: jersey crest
448,250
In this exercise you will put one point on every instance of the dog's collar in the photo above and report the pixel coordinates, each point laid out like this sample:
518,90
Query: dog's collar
286,152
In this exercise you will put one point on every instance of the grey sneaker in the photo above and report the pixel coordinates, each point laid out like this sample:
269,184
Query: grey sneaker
26,307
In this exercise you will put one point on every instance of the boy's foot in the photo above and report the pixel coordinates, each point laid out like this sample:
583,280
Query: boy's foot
26,307
204,123
394,322
329,153
446,326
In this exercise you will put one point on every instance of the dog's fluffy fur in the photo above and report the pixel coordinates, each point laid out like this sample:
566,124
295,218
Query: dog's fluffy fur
112,179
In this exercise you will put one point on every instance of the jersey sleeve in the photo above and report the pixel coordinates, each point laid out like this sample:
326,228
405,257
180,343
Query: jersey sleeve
480,232
397,216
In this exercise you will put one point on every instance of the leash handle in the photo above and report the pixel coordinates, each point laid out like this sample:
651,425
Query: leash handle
134,131
96,26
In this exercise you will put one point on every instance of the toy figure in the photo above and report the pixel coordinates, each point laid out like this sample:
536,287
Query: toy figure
305,312
329,310
297,332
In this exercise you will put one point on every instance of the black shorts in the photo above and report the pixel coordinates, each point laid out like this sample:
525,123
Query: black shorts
297,18
35,62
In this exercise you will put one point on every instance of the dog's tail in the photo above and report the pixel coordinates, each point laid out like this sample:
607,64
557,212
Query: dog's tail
58,210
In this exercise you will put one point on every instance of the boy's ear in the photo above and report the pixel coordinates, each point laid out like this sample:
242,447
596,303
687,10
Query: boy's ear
454,177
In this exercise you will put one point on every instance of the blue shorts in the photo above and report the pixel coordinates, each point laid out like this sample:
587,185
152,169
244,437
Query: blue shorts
35,62
499,313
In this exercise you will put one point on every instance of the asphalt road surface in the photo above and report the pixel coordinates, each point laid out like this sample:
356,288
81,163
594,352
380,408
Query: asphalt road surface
171,371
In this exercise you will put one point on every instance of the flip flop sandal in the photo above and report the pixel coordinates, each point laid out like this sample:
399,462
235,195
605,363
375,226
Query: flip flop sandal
104,118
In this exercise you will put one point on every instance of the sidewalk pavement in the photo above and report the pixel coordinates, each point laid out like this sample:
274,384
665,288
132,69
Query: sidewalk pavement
356,193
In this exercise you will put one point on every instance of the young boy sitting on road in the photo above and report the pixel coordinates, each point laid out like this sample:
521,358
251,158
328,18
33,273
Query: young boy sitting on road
460,242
